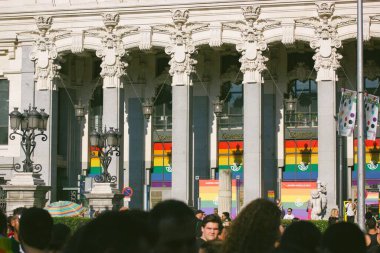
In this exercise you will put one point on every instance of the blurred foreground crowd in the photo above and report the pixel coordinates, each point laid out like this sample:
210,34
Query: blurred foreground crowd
172,227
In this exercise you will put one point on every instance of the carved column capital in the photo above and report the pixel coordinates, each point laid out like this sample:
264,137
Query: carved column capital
181,46
112,51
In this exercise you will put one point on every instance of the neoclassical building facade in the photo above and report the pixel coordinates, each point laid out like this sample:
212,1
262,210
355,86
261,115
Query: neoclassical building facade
253,56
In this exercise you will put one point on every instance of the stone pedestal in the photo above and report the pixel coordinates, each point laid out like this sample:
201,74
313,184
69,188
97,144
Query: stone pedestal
225,192
103,197
25,190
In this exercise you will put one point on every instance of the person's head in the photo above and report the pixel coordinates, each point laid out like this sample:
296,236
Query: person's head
289,211
173,224
301,237
349,200
199,214
15,220
332,220
259,224
59,237
368,215
211,247
113,232
211,225
334,212
36,227
216,212
371,224
343,237
225,215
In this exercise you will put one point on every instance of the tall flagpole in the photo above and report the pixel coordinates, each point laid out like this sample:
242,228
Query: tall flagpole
360,113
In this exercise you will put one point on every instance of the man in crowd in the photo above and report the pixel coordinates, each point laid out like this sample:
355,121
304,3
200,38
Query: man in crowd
15,228
350,211
211,226
289,215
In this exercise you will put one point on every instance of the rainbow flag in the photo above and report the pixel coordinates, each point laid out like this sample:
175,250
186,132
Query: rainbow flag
162,170
231,157
95,165
209,193
301,160
372,199
372,157
296,196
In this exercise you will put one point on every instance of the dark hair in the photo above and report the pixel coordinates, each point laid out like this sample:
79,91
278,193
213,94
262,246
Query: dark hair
3,224
289,208
368,215
332,220
371,223
301,237
59,237
36,226
255,229
211,218
227,214
113,232
19,211
211,246
343,237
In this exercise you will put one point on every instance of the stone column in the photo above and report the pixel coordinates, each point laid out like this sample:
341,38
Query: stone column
252,64
181,66
225,192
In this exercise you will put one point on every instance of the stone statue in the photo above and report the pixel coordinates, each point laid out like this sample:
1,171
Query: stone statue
319,202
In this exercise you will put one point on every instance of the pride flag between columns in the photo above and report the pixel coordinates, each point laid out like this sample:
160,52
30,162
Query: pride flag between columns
347,113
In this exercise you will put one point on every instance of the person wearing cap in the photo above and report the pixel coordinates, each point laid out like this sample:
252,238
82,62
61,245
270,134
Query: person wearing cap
199,215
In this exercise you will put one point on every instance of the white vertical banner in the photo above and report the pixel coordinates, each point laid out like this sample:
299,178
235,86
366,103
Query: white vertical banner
371,107
347,113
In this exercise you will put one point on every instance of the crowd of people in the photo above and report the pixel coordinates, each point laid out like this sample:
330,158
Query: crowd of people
172,227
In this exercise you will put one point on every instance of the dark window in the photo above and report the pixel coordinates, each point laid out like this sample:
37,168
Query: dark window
4,111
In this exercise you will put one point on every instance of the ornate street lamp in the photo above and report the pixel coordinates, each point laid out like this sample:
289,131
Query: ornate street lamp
79,111
290,103
29,122
218,107
147,107
108,143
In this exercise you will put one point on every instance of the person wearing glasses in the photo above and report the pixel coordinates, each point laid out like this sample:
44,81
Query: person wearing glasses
289,215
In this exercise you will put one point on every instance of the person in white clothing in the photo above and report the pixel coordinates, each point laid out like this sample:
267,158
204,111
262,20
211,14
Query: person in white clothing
289,215
350,211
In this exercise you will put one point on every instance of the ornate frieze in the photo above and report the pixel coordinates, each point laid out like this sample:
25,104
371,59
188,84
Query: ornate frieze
326,41
44,52
112,50
181,46
253,43
301,72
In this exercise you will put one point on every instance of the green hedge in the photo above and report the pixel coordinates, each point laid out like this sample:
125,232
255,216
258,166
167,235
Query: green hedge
72,222
320,224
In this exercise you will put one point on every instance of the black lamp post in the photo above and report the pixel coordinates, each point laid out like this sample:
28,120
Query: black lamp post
147,107
218,109
25,126
79,111
109,143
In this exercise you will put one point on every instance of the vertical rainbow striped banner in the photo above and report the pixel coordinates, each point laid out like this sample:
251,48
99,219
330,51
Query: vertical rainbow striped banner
231,157
372,156
95,166
301,160
209,194
296,196
372,199
162,169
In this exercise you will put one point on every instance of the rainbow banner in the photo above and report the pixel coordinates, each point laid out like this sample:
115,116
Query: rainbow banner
301,160
95,165
231,157
162,159
372,156
209,193
296,196
372,199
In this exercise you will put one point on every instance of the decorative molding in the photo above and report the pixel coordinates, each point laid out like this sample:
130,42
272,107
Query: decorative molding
252,42
301,72
112,51
216,30
326,41
77,42
44,52
288,32
181,46
145,37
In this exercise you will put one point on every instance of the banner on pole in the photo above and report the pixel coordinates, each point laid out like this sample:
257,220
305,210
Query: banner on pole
371,106
347,113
